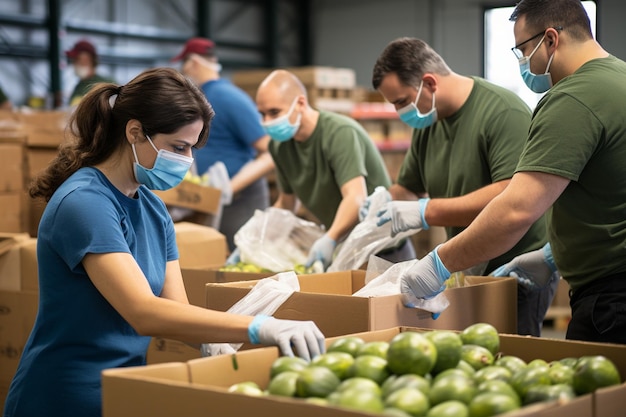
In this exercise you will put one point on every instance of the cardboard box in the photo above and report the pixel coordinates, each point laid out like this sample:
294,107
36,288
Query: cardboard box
11,163
192,388
38,159
44,128
12,212
163,350
192,196
312,76
17,316
18,263
327,300
199,246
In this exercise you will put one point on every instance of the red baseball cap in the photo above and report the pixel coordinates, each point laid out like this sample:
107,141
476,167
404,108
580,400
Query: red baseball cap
200,46
81,46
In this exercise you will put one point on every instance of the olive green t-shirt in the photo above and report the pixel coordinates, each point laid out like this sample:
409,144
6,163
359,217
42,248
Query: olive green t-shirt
338,151
85,85
578,132
478,145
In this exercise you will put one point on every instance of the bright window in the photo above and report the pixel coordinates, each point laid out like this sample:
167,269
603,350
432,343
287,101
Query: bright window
501,67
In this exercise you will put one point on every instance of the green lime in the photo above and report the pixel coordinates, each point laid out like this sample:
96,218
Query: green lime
396,382
453,387
477,356
539,393
377,348
499,387
287,363
362,400
593,372
360,383
448,345
247,388
283,384
490,404
409,400
338,362
369,366
449,409
316,381
348,344
411,353
513,363
482,334
525,378
492,372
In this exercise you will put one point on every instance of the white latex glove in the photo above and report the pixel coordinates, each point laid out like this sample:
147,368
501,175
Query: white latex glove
404,215
365,207
307,339
423,280
322,250
234,258
532,269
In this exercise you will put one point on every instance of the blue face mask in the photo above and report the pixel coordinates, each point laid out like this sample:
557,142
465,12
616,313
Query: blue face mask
168,171
280,129
539,83
411,115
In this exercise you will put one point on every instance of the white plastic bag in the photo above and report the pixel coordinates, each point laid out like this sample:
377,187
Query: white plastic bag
277,240
264,298
367,238
388,283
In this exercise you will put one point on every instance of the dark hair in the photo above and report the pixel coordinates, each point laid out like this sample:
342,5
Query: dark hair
162,99
542,14
410,59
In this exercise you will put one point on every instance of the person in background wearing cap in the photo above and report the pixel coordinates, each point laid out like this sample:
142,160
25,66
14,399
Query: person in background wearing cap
324,159
467,140
85,60
237,138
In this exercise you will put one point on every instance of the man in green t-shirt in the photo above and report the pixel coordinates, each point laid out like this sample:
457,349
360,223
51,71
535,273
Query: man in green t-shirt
468,136
325,160
572,167
85,60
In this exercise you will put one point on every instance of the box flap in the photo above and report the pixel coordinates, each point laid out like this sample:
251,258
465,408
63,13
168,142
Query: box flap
192,196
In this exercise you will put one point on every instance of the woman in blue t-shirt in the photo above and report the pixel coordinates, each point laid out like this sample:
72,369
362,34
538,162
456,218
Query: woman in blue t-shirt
109,276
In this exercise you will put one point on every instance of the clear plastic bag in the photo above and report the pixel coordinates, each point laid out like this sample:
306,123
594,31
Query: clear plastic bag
277,240
264,298
367,238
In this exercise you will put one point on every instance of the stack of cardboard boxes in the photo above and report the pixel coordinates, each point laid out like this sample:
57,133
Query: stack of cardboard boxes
28,142
18,301
328,88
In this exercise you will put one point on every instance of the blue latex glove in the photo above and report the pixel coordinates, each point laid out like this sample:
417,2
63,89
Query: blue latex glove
365,207
404,215
322,250
307,339
532,269
423,280
234,258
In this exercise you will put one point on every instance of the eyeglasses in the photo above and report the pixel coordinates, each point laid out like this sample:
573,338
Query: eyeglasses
518,53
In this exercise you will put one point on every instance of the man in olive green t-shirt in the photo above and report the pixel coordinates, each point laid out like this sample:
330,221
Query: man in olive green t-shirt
325,160
572,167
85,60
468,136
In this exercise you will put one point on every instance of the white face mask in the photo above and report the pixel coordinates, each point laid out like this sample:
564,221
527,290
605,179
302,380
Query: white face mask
82,71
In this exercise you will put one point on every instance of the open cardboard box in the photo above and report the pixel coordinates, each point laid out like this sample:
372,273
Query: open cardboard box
199,387
327,300
162,350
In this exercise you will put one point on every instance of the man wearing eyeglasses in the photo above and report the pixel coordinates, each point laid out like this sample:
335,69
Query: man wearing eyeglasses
468,136
572,167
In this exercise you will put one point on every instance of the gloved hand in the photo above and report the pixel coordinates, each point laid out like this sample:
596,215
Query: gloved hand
425,279
303,335
234,258
532,269
365,207
404,215
322,250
